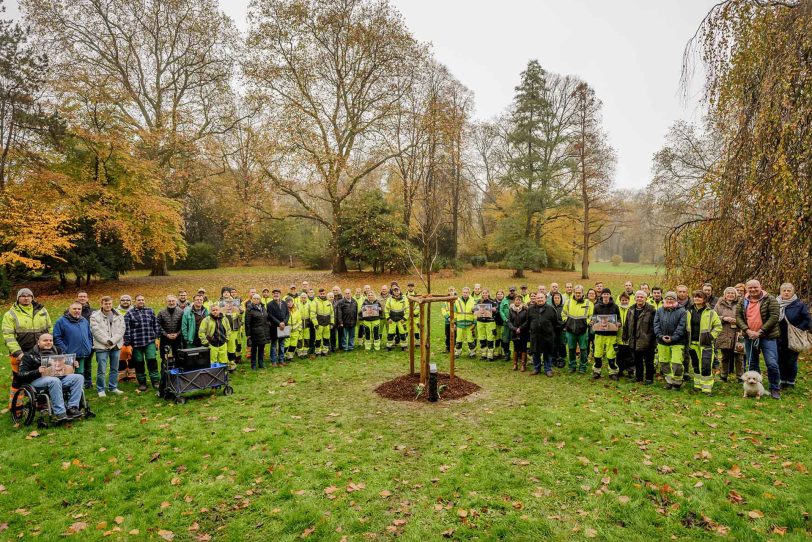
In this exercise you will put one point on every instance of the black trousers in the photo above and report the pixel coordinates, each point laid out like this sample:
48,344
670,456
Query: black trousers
644,359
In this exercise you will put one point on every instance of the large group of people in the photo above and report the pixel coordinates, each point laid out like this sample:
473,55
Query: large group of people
682,335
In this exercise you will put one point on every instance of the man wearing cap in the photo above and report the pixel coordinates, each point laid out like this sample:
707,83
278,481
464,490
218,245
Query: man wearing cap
141,332
670,328
322,316
371,313
279,317
396,312
308,313
266,296
576,314
22,326
292,292
215,331
704,326
606,336
525,294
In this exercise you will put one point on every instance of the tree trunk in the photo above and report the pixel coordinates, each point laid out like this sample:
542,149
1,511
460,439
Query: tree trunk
339,263
160,267
518,274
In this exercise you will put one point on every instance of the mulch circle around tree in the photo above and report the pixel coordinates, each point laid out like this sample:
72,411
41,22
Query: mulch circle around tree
403,387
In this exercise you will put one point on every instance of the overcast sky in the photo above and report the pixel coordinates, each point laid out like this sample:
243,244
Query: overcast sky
629,51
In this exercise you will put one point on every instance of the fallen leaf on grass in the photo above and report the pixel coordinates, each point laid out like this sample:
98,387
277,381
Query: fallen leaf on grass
355,487
134,532
76,527
154,457
385,493
735,497
203,537
583,460
165,504
755,514
462,513
119,520
448,533
444,468
590,533
194,527
780,531
166,535
399,522
699,484
665,469
248,429
623,499
175,481
307,532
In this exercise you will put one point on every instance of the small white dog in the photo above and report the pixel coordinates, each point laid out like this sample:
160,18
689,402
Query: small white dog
752,384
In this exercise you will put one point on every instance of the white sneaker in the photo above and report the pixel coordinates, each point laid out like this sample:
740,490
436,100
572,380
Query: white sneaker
102,394
117,392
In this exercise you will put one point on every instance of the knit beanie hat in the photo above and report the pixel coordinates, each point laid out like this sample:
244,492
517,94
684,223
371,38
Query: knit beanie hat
672,295
24,291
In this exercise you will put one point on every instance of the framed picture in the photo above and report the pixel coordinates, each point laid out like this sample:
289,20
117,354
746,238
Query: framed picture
370,311
483,310
604,322
58,364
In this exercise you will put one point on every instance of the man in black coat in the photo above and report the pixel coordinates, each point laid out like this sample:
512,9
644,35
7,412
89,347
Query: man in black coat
545,325
346,318
638,333
257,330
278,316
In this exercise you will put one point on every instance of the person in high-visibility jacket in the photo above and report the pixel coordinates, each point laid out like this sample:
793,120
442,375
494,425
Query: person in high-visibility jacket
576,314
303,306
382,299
464,323
625,358
371,313
396,313
22,326
411,292
295,343
671,330
704,327
476,295
266,296
606,339
235,320
215,331
486,324
322,316
445,311
656,298
504,314
525,294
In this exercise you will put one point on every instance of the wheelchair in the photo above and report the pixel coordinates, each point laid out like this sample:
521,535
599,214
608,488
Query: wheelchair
29,403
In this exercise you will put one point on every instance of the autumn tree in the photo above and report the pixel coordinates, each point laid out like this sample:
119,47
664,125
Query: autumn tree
331,76
594,170
170,65
758,222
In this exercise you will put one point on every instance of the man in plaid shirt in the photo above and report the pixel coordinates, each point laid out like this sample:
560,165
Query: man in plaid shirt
141,332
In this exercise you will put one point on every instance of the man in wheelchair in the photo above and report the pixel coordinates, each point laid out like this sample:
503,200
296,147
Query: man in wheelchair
34,373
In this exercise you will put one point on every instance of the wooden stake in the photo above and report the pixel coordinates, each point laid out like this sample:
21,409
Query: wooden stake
424,368
411,337
451,341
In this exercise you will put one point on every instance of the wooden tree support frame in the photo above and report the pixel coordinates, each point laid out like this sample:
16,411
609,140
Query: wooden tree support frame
425,332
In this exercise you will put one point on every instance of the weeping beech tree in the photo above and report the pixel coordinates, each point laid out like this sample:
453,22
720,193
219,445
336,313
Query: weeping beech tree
758,194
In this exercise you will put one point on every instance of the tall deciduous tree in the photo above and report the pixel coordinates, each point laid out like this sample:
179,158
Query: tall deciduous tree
169,62
332,75
595,164
759,220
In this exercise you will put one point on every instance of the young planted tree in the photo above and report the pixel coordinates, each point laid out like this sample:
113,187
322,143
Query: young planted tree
594,169
331,75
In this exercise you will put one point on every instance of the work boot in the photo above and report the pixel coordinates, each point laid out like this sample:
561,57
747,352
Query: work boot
524,361
515,361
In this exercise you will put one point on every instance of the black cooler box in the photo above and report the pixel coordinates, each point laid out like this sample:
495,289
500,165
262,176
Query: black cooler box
192,359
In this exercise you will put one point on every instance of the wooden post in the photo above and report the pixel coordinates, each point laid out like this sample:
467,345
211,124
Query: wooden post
411,337
424,369
451,340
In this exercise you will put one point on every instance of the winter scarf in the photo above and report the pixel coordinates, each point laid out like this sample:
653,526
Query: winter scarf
783,304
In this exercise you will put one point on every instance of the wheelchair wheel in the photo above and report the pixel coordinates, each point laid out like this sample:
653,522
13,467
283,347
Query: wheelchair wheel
84,406
24,405
228,390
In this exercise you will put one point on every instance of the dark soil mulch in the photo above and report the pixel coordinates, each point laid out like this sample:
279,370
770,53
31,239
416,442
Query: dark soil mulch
403,387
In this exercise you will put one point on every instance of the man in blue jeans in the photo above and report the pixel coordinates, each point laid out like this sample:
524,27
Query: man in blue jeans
107,328
346,318
757,316
33,372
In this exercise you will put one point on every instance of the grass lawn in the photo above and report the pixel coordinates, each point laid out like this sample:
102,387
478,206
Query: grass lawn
310,451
